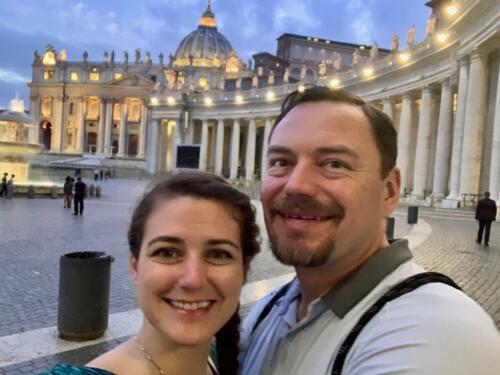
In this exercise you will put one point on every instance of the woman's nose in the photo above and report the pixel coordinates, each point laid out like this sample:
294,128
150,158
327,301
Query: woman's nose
193,273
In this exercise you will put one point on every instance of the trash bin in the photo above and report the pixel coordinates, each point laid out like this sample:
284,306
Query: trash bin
84,279
53,192
412,214
389,229
98,191
31,191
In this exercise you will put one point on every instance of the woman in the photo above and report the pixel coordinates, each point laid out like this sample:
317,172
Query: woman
68,191
191,240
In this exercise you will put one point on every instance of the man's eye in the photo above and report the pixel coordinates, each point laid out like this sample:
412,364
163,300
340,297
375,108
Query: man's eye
336,164
278,163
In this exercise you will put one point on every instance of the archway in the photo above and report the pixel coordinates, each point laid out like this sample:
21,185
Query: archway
45,134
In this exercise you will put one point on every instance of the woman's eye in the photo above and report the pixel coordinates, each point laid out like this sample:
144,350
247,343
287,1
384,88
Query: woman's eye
167,253
220,255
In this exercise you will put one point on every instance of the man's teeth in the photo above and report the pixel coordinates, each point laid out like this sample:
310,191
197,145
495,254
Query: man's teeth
190,305
318,218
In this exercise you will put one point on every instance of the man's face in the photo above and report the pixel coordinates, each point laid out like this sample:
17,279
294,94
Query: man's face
324,199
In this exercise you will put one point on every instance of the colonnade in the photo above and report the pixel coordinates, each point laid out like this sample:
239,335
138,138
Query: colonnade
449,130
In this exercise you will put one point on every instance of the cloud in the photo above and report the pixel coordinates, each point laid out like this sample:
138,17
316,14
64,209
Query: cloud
294,14
10,76
363,23
250,24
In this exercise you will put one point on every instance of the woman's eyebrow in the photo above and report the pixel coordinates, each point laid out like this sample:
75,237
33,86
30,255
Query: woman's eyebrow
223,242
172,239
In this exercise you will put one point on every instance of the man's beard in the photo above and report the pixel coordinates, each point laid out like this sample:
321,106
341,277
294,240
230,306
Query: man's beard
292,254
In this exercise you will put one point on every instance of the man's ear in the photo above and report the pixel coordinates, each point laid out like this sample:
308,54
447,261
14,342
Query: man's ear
132,268
392,187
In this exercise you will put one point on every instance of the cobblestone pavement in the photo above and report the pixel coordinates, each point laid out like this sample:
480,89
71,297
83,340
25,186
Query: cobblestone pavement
36,232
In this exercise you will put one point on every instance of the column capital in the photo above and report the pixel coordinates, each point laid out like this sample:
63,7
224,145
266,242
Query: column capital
34,96
388,100
445,82
463,61
476,54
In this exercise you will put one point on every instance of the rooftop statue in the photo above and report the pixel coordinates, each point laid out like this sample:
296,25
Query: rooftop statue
36,57
337,61
63,55
355,57
106,57
374,52
112,58
148,58
125,57
137,56
410,38
160,58
431,24
85,56
395,43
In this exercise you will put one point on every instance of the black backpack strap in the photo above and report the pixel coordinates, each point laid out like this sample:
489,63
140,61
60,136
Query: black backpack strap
265,311
398,290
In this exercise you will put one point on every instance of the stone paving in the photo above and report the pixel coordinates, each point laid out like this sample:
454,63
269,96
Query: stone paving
36,232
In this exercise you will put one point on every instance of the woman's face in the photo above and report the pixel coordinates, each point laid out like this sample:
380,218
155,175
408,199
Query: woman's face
189,272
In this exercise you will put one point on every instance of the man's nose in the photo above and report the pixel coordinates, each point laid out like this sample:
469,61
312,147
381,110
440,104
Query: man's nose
302,180
193,273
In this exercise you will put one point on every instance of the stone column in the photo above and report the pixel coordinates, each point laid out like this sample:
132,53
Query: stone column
174,141
57,126
100,131
423,143
108,128
81,126
190,132
142,131
204,145
35,112
494,186
267,130
123,131
250,151
219,146
152,155
443,148
404,139
235,149
458,133
389,108
475,119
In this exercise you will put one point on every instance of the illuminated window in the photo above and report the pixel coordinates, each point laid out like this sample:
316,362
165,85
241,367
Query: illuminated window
74,76
202,81
118,75
48,74
94,74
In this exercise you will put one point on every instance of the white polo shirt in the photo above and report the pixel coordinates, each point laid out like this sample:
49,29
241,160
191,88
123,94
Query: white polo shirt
434,329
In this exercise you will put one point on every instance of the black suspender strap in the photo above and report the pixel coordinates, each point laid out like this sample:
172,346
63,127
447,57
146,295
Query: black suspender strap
265,311
398,290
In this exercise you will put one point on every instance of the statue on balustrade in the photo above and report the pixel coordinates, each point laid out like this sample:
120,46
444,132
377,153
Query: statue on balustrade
137,56
160,58
112,57
410,38
148,58
355,57
374,52
106,57
85,56
36,57
125,57
337,61
431,24
395,43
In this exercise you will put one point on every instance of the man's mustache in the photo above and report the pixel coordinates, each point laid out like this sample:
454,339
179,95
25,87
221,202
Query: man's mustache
306,206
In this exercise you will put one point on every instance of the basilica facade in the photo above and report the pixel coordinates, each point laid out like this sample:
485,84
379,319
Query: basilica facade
442,92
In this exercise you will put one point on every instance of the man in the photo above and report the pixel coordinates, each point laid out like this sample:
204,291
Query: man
331,181
486,212
3,191
79,196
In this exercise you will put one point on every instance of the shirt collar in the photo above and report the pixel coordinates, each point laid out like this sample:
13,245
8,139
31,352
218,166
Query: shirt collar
343,297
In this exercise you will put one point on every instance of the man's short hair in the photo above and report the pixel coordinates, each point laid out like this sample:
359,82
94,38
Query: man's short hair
381,124
487,194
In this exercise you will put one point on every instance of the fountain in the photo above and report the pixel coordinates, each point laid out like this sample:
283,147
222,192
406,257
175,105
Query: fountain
19,140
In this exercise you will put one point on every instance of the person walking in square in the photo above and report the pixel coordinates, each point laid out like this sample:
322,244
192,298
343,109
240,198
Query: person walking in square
79,196
10,187
486,213
68,191
3,192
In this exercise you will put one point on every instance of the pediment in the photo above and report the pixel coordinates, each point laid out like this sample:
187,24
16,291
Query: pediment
133,79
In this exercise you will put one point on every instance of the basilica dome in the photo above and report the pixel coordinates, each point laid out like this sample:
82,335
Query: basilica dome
205,46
